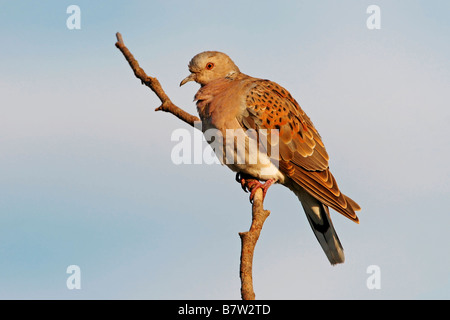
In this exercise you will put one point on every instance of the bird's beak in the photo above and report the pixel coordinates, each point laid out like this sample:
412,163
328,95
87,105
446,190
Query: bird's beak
190,77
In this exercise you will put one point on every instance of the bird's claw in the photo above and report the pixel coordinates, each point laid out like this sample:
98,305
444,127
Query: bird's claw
251,184
240,178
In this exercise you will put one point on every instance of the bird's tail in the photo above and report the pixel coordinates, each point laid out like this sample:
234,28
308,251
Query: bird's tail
319,218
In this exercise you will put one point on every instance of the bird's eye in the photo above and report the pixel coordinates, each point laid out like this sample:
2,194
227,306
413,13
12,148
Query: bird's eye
209,66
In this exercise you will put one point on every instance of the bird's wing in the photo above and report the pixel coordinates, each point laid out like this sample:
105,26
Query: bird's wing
302,155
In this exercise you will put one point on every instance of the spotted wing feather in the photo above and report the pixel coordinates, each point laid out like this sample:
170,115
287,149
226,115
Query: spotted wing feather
302,155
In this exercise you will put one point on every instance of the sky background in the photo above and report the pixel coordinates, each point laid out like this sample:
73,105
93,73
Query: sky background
86,176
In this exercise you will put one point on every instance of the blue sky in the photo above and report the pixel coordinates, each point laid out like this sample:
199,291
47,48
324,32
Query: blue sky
86,176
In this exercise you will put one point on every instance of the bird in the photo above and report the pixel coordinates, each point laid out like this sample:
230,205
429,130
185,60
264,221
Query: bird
294,155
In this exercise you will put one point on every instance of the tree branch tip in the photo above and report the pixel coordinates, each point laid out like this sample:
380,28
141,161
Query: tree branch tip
119,38
243,234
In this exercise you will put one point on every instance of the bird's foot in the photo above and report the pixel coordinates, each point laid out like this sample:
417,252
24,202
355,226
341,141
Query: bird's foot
248,183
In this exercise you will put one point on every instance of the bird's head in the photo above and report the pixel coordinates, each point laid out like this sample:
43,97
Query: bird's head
208,66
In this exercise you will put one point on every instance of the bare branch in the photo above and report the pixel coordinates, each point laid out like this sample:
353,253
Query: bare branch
154,85
248,243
